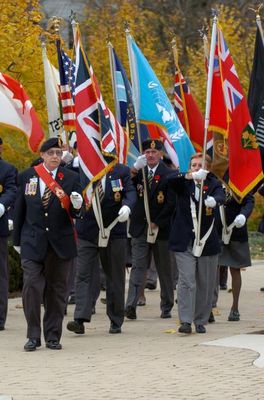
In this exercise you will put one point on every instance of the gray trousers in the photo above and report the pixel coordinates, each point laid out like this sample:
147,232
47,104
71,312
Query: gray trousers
113,260
141,253
197,276
3,279
45,281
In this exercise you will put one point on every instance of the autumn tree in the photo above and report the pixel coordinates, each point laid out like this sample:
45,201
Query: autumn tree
20,58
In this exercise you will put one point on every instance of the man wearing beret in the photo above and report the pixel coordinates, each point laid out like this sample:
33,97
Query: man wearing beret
117,199
8,175
161,210
49,197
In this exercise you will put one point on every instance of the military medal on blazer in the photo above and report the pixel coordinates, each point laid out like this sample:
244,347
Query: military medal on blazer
31,186
1,188
117,187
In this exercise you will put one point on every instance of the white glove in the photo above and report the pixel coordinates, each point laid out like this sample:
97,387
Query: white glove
10,225
240,220
18,249
141,162
2,210
123,213
76,200
210,201
200,175
67,156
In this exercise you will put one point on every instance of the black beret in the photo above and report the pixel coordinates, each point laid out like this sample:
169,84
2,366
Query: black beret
48,144
152,144
1,141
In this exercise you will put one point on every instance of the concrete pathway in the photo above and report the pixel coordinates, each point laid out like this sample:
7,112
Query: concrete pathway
149,360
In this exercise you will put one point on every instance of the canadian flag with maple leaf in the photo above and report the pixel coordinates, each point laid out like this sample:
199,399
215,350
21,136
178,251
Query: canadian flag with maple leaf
17,111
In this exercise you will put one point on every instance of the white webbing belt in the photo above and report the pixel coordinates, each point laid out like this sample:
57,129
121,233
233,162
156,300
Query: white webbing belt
102,240
198,247
226,230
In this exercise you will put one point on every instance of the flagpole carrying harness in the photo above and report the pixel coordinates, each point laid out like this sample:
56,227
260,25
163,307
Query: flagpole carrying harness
198,247
226,230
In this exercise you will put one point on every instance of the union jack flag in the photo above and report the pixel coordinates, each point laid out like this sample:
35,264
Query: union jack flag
235,148
188,112
95,134
67,87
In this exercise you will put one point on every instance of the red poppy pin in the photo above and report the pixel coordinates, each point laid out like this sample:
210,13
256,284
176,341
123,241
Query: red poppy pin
156,178
60,175
205,187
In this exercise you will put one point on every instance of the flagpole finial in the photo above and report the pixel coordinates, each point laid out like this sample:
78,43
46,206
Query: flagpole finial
108,40
256,10
54,25
126,27
174,42
215,12
203,31
73,17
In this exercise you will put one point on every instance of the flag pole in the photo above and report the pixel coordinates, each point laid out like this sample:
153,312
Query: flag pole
54,25
258,20
44,57
76,32
113,79
178,72
135,100
207,116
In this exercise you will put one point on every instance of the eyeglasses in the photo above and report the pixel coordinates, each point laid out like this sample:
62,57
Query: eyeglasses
58,153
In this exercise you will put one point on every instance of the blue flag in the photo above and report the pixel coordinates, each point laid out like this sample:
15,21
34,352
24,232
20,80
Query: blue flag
125,111
153,106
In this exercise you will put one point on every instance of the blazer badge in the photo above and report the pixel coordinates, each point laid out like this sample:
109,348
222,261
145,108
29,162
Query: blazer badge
160,197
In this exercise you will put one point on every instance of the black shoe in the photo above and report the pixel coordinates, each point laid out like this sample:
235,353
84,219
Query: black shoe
103,300
165,314
262,289
32,344
211,318
223,287
53,345
200,329
114,328
234,315
141,302
185,328
130,313
151,286
76,327
2,327
71,300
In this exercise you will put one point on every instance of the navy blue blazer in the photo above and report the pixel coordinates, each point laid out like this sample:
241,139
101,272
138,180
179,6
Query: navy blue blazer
182,231
232,209
35,227
161,207
113,200
8,189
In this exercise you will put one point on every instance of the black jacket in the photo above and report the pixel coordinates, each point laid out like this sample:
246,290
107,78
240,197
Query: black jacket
36,227
161,207
87,227
8,189
182,230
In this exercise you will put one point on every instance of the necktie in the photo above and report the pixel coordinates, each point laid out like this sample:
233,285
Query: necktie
150,178
100,191
46,196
